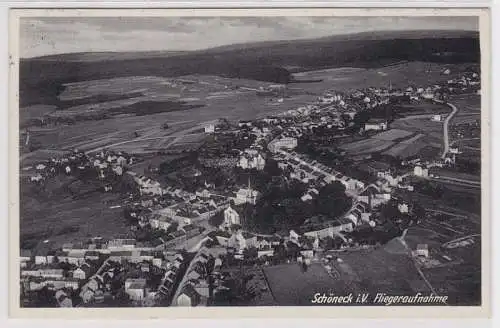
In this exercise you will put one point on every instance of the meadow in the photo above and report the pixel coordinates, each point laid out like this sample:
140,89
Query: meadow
65,209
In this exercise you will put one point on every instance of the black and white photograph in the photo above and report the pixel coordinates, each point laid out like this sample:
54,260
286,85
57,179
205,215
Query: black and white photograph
250,161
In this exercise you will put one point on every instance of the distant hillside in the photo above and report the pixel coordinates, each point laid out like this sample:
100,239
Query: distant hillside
41,78
108,55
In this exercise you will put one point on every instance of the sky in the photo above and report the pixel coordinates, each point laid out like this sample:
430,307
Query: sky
56,35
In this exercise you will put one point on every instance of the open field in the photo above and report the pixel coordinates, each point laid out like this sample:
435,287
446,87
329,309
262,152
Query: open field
392,135
399,75
396,142
446,173
66,210
469,108
432,131
407,148
421,108
87,135
299,287
453,270
369,145
388,269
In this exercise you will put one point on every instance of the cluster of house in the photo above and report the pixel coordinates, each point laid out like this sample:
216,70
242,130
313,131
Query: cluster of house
308,170
138,286
189,207
93,281
252,159
194,289
105,164
465,81
365,200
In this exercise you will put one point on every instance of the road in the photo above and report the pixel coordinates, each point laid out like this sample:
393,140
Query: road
461,238
446,138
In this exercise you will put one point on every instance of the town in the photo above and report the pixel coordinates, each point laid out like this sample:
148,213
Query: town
308,192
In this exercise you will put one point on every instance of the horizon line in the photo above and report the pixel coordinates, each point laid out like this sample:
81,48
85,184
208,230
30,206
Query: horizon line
247,43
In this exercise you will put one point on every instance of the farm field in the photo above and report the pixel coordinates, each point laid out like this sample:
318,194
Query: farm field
395,142
473,144
408,148
399,75
87,135
392,135
369,145
422,108
449,265
469,108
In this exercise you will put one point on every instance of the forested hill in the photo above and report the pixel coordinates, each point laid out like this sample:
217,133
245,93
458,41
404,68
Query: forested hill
41,78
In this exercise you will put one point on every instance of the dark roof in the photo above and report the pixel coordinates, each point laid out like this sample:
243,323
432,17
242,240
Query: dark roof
92,253
377,120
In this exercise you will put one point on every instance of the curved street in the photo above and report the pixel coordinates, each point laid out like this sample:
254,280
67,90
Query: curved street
446,138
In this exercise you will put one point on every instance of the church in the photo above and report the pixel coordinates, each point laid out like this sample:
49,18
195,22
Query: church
231,217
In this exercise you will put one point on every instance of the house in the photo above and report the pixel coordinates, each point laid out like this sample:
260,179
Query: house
137,290
403,208
307,253
422,250
419,171
188,297
217,263
280,143
79,274
62,299
210,128
121,244
203,289
267,252
41,256
161,222
25,256
354,216
376,125
44,273
436,118
293,236
237,241
92,255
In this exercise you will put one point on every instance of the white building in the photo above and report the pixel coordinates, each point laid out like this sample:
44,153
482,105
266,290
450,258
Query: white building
210,128
403,208
160,222
279,143
422,250
246,195
436,118
376,125
419,171
135,288
231,217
